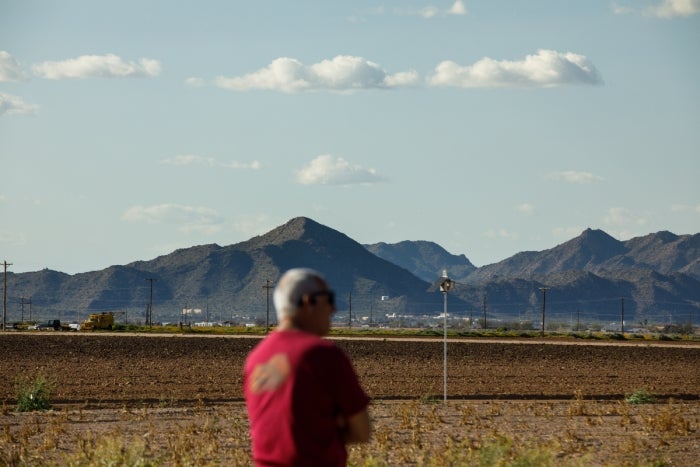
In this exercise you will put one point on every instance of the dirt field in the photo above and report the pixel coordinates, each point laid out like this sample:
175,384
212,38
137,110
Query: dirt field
567,396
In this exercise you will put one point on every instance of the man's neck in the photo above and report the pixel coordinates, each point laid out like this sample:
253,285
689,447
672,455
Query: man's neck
288,325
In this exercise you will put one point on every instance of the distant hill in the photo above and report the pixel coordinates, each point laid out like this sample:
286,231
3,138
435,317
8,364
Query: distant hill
425,259
654,278
227,281
657,275
596,251
583,253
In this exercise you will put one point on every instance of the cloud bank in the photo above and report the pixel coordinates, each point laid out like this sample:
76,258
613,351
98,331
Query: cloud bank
546,68
344,73
328,170
97,66
341,73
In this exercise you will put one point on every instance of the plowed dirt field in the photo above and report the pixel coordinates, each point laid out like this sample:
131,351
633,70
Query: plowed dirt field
184,377
117,369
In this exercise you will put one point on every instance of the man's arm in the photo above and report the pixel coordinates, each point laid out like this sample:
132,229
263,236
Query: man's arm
358,427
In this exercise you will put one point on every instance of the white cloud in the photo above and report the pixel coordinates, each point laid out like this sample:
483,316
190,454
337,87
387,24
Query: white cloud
428,12
526,208
623,217
194,82
328,170
546,68
685,208
341,73
621,10
403,78
572,176
674,8
255,165
192,159
10,69
662,9
431,11
10,105
458,8
97,66
190,219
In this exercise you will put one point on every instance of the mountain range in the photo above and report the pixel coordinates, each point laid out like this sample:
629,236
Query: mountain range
654,278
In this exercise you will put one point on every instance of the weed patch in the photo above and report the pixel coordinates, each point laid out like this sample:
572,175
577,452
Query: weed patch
640,396
33,394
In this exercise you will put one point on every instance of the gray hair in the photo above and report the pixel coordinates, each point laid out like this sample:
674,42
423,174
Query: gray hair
292,286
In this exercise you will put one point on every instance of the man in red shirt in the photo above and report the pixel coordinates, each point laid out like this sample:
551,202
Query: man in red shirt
303,396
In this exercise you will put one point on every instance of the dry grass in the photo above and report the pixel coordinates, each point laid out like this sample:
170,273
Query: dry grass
414,432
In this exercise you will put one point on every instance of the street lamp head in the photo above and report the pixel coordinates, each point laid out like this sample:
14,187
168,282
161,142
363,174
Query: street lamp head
446,285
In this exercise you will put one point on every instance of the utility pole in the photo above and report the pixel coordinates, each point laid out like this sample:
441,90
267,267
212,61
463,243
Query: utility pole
484,306
350,310
267,288
4,297
149,312
544,301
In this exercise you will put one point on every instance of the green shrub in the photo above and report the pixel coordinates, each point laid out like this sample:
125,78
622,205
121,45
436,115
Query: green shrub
640,396
33,394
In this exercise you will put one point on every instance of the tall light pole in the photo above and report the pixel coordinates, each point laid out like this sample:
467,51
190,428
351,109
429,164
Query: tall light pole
446,285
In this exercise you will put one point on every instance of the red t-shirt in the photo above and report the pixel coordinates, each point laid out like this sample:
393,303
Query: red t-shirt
296,385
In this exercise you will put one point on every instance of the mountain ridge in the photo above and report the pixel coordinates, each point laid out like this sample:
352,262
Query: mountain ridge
654,273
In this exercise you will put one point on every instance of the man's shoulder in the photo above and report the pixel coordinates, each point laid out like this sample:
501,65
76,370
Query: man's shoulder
297,346
295,339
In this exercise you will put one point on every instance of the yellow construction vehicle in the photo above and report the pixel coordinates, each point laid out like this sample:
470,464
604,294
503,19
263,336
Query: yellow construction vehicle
94,321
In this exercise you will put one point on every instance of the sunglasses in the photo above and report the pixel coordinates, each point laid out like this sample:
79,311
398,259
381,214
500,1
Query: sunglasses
323,293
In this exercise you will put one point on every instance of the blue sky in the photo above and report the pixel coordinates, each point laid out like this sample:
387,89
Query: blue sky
130,129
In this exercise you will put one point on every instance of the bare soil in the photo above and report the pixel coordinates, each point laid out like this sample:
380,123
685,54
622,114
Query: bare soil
565,392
